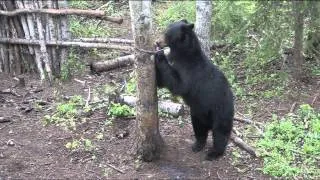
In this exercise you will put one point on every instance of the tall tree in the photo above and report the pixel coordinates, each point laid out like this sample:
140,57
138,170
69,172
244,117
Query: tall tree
149,139
298,39
203,24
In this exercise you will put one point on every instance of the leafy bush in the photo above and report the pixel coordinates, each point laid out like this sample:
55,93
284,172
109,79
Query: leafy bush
119,110
291,145
66,114
73,65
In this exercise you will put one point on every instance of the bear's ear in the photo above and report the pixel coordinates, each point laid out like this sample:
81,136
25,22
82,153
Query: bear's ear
190,26
185,21
187,27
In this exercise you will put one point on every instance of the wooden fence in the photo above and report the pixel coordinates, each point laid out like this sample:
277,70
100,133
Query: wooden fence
34,36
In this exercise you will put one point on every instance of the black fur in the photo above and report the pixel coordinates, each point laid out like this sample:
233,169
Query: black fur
187,72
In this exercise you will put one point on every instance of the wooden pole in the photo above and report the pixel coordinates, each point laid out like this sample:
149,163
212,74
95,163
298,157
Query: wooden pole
64,32
31,26
43,48
65,44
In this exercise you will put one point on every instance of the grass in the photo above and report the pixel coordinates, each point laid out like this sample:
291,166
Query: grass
291,145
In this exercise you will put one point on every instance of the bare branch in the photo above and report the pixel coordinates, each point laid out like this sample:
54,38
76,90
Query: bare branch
56,12
64,43
241,144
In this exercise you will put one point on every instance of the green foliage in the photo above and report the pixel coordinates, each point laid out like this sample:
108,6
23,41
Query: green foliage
131,86
91,28
67,113
79,4
119,110
73,65
291,145
176,10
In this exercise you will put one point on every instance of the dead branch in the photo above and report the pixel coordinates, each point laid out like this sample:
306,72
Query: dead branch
56,12
105,40
117,169
293,107
89,97
241,144
314,99
10,91
101,66
244,120
172,108
83,83
64,43
4,120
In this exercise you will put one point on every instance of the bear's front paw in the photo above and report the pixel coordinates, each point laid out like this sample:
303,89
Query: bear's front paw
198,146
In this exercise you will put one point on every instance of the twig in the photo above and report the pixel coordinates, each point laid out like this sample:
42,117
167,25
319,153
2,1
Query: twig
4,120
119,170
314,99
244,120
10,91
5,125
83,83
89,97
293,107
241,144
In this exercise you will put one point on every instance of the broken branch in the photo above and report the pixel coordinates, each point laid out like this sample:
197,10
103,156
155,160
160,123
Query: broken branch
241,144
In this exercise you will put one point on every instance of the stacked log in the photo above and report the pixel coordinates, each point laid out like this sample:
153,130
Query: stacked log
22,58
35,37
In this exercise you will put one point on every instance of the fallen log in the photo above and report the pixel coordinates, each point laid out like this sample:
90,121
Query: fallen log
169,107
241,144
64,43
101,66
57,12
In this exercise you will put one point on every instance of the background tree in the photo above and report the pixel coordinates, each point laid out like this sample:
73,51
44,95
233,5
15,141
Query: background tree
298,39
203,24
149,139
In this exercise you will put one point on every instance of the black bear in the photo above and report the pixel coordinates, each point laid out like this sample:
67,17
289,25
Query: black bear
187,72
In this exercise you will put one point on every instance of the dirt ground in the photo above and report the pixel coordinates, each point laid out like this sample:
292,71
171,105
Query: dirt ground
30,150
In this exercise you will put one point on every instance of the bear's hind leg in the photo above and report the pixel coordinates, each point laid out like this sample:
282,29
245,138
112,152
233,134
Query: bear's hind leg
201,134
221,135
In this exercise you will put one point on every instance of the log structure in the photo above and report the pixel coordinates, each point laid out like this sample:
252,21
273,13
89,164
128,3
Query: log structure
34,36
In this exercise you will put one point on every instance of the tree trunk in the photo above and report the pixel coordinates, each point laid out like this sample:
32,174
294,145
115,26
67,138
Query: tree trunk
203,24
298,39
149,139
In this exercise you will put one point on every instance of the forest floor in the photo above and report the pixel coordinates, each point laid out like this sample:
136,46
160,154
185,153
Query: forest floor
31,150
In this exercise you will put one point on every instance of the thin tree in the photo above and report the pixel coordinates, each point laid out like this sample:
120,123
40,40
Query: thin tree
298,39
203,24
149,139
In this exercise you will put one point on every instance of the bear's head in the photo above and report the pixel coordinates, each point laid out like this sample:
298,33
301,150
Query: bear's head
179,36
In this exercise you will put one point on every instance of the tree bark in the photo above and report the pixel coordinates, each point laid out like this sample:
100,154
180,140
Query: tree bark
298,39
149,142
203,24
